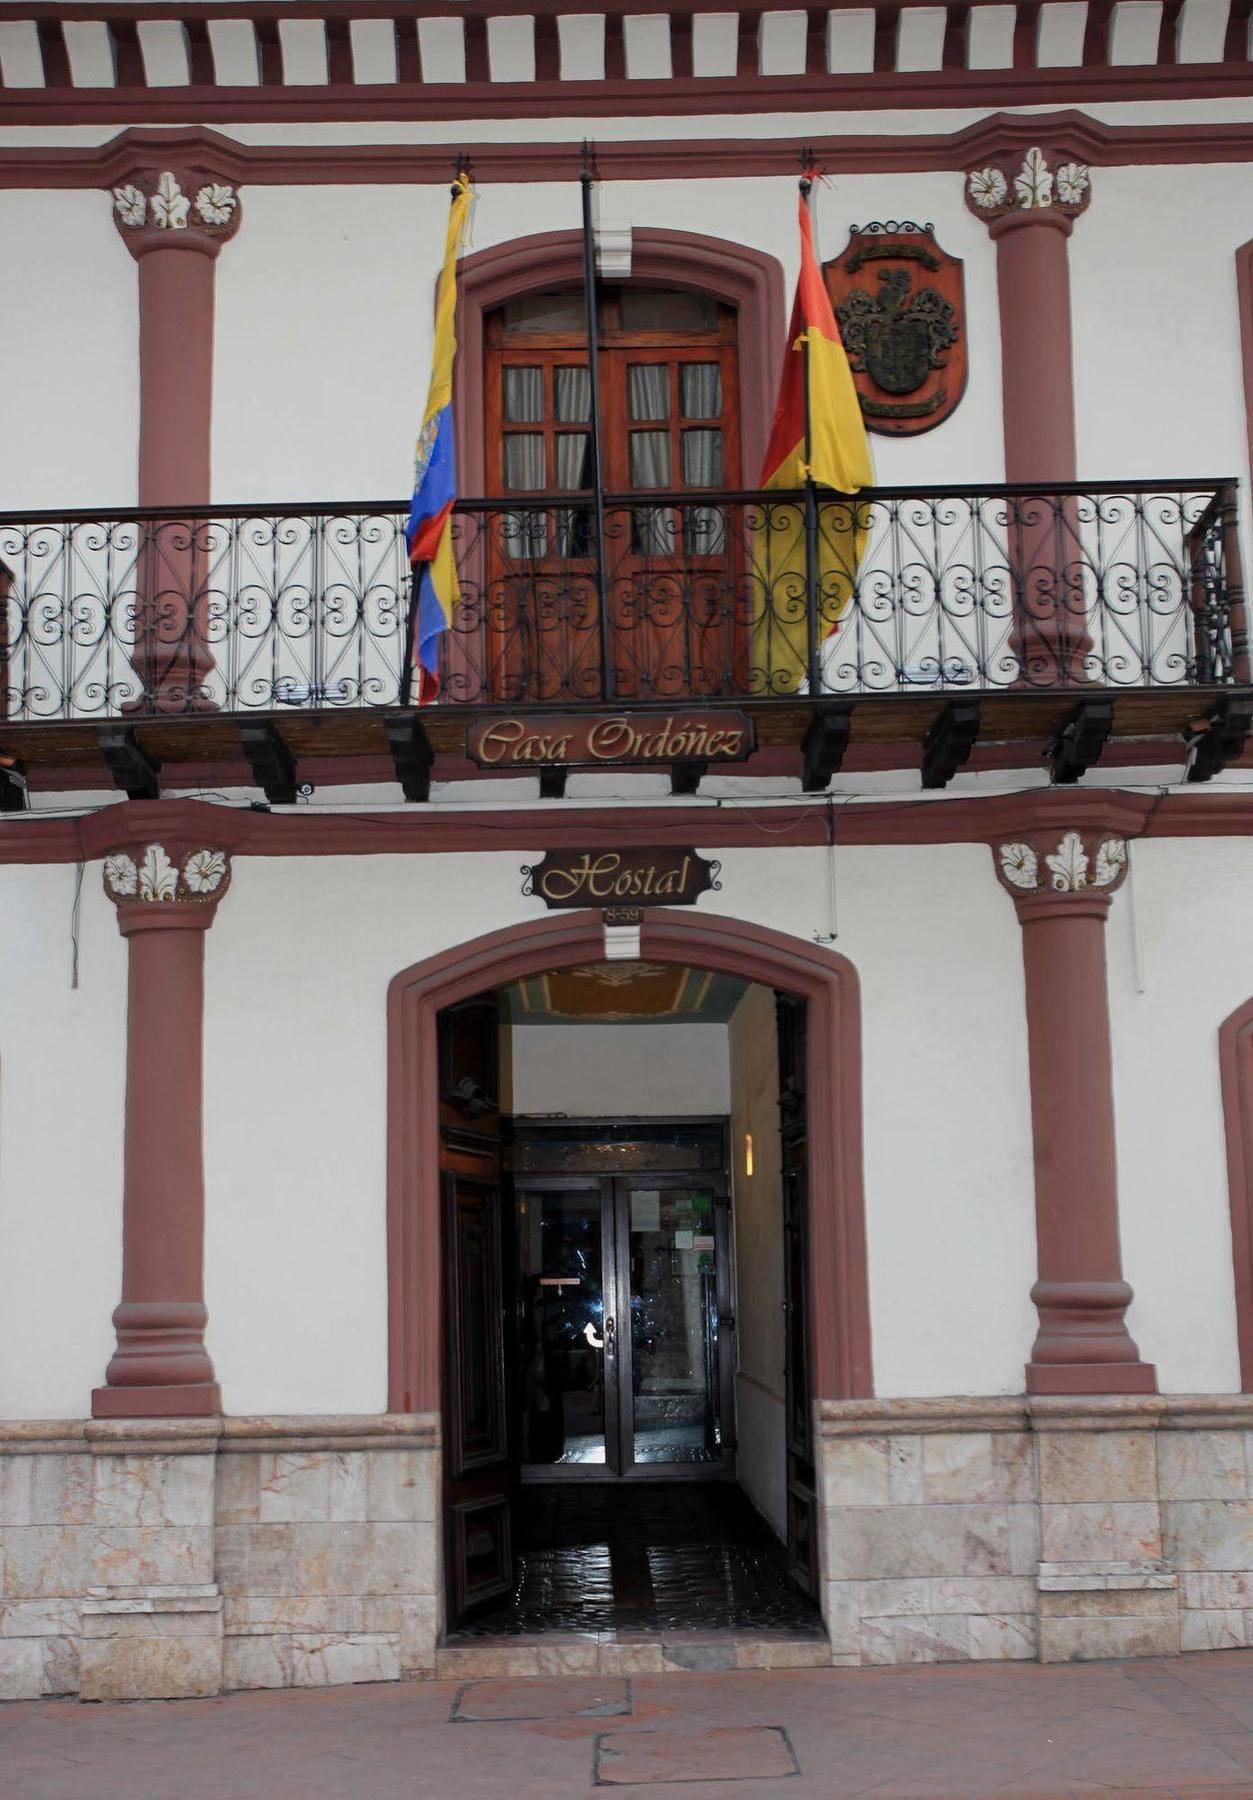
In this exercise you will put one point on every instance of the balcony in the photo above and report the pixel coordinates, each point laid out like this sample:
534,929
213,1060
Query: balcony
907,617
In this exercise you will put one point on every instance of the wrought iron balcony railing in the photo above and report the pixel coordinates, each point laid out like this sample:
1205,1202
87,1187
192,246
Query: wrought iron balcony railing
708,597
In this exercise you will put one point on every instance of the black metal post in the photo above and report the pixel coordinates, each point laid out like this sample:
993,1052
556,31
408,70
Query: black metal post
593,371
411,630
811,514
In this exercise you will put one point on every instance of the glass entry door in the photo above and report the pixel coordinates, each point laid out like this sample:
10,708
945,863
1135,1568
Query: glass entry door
624,1350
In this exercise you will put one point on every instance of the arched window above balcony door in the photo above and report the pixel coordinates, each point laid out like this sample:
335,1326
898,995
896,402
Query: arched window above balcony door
670,395
745,281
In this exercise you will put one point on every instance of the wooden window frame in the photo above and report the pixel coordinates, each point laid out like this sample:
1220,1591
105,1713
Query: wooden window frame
618,349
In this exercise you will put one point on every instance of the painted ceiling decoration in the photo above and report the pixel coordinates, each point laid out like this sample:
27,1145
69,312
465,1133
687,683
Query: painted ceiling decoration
623,993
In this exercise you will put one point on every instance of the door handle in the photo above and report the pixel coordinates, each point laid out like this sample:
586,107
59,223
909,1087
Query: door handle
610,1344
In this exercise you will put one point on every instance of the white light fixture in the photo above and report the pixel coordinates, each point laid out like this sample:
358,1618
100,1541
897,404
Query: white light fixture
613,252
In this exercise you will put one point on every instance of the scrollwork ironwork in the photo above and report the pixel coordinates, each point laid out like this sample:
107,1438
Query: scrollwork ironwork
274,609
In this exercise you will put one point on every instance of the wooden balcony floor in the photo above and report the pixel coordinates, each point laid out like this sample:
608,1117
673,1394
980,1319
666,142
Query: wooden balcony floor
892,727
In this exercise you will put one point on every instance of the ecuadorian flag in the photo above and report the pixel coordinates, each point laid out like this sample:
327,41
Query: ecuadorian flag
429,531
826,446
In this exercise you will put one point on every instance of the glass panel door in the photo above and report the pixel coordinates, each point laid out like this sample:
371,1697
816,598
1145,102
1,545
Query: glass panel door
669,1236
620,1364
566,1332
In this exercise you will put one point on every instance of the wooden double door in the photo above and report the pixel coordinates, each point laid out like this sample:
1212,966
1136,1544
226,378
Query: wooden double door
623,1326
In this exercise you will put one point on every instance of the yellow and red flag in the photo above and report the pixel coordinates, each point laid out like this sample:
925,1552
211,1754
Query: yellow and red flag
817,437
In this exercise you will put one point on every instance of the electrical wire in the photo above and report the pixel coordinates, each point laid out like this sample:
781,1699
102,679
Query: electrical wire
75,914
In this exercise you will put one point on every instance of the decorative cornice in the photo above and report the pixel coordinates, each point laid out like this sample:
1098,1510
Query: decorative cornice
1039,185
991,820
324,79
884,1418
216,1433
1036,1412
999,136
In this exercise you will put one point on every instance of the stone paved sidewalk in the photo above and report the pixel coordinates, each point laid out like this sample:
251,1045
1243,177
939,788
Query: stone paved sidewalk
1142,1730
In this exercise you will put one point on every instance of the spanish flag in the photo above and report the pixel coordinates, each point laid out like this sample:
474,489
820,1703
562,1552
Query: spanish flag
429,531
823,443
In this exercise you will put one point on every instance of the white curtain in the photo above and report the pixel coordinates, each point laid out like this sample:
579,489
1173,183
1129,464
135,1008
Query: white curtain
700,391
524,396
572,395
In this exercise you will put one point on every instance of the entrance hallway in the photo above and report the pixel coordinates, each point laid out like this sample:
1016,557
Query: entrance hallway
1141,1730
690,1556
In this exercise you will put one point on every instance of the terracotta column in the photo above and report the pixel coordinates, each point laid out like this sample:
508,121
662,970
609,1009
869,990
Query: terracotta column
1062,880
166,898
1029,203
174,221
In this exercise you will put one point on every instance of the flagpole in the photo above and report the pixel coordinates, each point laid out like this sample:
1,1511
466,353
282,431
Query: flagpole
811,492
462,169
593,371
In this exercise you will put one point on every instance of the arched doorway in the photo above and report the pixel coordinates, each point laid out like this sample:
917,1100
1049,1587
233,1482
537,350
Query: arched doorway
840,1309
830,1273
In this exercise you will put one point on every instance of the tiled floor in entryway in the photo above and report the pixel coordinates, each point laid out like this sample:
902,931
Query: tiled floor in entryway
630,1578
645,1556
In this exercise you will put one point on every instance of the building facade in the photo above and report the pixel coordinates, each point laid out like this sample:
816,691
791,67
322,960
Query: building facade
823,920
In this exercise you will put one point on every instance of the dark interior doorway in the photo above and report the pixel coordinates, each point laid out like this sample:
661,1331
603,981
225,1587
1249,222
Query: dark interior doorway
591,1361
620,1295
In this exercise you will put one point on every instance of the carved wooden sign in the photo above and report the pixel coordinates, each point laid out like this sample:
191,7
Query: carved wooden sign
621,878
598,740
901,305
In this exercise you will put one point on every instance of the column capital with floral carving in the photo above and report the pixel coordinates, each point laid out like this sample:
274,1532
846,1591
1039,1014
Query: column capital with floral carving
185,200
1061,869
1042,185
160,886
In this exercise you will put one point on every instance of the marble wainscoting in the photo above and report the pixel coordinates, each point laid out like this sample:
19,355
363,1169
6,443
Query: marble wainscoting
164,1558
1059,1529
328,1550
152,1558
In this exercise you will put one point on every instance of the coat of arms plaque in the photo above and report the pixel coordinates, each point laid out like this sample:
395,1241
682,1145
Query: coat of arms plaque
901,305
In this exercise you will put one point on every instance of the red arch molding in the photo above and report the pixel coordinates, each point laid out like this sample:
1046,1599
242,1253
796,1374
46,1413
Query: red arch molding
839,1297
1235,1063
747,279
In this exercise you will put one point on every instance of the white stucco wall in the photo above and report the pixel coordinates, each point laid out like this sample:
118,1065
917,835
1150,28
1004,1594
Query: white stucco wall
1156,327
947,1125
69,354
295,1110
295,1113
62,1082
324,304
1190,900
295,1104
315,268
595,1071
